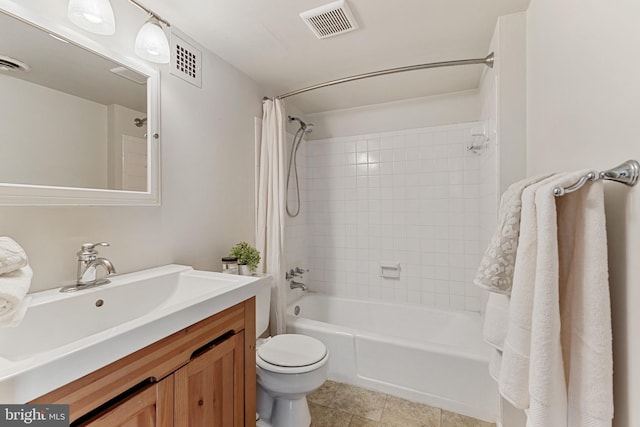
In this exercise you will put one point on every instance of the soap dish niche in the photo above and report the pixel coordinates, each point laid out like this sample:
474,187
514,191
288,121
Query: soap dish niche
479,136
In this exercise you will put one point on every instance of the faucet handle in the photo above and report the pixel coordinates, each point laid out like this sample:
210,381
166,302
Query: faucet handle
89,249
290,274
93,245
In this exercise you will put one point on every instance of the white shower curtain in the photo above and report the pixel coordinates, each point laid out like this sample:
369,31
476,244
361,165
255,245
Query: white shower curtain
270,203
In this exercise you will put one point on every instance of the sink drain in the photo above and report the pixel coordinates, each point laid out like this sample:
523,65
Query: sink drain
99,303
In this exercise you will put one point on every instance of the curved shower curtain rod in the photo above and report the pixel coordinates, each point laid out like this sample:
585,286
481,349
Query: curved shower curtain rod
488,61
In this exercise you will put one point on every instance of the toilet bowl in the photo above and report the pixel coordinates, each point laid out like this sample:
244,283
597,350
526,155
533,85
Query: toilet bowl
288,367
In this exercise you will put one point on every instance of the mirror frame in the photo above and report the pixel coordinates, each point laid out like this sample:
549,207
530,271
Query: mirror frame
43,195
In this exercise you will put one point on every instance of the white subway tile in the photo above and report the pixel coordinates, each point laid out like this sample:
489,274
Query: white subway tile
412,196
457,302
442,301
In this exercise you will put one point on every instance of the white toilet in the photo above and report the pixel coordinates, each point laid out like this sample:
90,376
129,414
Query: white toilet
289,366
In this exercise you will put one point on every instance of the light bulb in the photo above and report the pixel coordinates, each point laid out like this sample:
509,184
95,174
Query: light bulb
92,18
152,44
95,16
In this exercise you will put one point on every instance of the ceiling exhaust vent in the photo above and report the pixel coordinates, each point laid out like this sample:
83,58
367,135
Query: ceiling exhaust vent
8,63
330,20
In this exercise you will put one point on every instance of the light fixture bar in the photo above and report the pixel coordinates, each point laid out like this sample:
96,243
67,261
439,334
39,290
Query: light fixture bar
150,12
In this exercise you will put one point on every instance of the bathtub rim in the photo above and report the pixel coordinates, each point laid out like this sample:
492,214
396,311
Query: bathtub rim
481,355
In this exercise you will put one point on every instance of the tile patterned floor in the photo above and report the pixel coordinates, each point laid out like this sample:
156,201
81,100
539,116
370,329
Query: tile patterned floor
343,405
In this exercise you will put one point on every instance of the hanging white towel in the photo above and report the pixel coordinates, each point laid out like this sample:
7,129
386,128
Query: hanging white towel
495,272
547,388
557,359
496,319
495,362
514,370
13,295
571,342
496,269
12,256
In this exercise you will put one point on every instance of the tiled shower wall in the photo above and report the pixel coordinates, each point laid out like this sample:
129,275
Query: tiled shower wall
296,248
409,197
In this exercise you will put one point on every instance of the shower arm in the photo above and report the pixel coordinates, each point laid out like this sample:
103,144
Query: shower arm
488,61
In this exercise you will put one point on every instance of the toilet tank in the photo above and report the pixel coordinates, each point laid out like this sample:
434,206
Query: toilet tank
263,301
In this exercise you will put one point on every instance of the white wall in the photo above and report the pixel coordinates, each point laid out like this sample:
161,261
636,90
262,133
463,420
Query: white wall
414,113
207,143
50,137
511,70
583,99
503,108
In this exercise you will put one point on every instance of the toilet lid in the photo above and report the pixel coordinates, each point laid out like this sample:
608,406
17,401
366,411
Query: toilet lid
292,350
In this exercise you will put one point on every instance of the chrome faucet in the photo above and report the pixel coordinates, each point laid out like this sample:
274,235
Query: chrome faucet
297,285
88,263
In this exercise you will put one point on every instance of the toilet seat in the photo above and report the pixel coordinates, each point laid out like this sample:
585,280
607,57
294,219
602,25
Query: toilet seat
291,353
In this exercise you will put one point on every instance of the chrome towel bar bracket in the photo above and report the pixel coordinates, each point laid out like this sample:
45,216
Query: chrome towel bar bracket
626,173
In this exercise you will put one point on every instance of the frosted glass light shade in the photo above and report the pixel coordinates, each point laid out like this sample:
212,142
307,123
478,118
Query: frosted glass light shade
152,44
95,16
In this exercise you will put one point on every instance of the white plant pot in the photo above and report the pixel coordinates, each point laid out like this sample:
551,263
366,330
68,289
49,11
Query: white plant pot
244,270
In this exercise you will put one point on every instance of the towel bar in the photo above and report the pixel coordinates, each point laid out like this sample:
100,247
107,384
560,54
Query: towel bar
626,173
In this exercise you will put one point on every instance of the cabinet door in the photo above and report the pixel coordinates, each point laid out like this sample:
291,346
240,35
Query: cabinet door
209,390
150,407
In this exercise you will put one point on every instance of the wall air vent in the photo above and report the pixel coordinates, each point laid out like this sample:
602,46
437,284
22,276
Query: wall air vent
186,61
8,63
330,20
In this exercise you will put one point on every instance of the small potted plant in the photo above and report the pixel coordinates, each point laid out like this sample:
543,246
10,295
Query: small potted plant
248,257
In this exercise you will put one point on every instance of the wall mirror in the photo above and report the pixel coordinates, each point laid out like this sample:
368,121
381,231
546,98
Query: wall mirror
77,126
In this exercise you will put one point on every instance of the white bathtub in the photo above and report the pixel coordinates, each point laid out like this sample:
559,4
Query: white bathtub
427,355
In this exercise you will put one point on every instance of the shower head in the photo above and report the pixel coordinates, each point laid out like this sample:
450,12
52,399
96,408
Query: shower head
306,127
140,122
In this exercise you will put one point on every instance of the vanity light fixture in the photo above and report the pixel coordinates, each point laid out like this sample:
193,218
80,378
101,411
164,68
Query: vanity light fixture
151,42
95,16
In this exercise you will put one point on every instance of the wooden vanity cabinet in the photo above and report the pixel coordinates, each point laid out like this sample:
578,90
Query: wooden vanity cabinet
150,407
203,375
206,390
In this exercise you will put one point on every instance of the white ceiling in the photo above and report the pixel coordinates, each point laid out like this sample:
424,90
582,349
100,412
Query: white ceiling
268,41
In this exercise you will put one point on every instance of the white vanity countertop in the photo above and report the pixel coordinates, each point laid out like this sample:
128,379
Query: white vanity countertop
66,336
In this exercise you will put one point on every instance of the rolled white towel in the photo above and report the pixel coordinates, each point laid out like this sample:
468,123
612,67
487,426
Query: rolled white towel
13,295
12,256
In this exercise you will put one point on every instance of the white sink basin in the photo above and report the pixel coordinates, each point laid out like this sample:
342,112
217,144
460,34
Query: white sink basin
64,336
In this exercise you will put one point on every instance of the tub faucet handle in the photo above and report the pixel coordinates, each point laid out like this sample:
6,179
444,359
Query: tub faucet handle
300,271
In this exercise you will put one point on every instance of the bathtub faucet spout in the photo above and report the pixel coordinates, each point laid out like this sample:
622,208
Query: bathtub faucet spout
298,285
